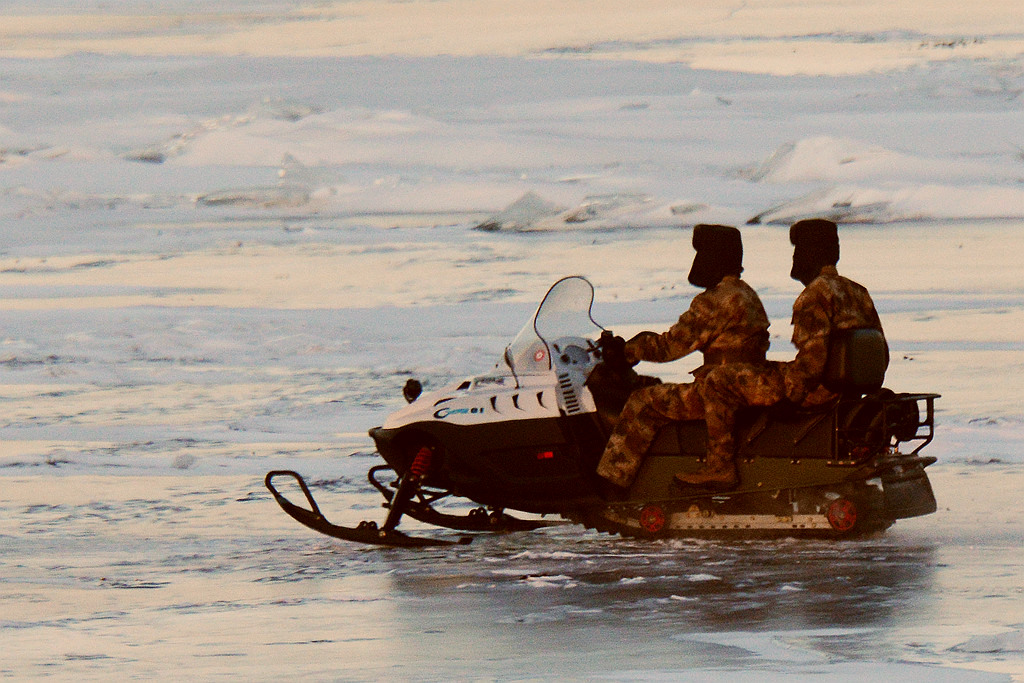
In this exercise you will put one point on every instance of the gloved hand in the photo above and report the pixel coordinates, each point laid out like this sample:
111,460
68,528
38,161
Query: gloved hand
613,350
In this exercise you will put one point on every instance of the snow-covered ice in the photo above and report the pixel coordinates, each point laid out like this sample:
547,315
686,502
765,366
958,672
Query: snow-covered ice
229,235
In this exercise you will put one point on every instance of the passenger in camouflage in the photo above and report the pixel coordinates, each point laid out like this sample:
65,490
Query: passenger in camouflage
828,303
726,322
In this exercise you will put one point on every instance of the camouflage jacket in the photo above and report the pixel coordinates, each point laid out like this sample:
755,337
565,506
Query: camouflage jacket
726,322
830,303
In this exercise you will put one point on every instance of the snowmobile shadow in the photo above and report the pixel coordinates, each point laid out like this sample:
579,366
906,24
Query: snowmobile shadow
702,586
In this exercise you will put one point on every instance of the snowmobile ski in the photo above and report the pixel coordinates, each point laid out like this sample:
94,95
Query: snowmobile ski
365,532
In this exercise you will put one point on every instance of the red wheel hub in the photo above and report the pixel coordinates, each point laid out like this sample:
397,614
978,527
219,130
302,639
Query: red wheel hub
652,519
842,514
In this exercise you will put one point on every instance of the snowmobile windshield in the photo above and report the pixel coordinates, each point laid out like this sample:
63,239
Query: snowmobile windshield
564,312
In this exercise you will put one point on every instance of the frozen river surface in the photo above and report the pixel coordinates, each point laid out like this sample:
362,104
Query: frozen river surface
229,236
140,540
148,576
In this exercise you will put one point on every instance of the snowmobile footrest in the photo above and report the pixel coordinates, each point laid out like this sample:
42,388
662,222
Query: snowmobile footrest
476,520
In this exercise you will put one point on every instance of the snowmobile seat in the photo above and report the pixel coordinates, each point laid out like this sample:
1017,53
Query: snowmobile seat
857,361
856,365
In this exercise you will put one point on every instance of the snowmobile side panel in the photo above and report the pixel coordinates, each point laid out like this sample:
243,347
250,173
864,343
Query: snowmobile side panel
538,466
655,479
760,433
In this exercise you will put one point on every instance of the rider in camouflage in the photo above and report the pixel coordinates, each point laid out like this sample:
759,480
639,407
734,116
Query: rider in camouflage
828,303
726,322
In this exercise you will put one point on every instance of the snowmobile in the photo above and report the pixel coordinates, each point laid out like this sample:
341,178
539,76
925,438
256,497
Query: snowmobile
528,435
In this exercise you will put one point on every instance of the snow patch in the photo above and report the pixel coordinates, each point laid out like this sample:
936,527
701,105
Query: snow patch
782,647
524,213
532,213
547,555
823,158
1012,641
544,581
607,207
183,461
905,203
284,109
284,195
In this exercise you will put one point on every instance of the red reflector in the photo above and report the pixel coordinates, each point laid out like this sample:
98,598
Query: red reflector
545,455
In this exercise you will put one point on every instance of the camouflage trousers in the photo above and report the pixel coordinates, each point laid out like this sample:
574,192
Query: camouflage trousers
647,410
727,388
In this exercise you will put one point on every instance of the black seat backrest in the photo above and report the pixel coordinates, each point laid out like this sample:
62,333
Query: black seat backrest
857,360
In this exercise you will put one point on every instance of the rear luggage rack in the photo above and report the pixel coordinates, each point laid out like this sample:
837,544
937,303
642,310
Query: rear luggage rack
904,422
